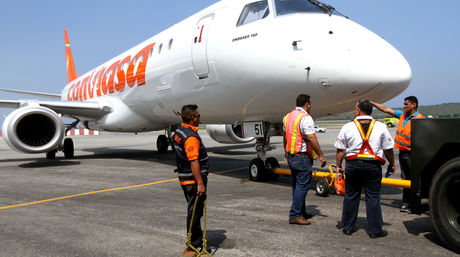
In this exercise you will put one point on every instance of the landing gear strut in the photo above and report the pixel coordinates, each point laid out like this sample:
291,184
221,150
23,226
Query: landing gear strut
263,167
164,141
66,146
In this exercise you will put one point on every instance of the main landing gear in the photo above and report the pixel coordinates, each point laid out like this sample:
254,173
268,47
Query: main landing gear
66,146
164,141
263,168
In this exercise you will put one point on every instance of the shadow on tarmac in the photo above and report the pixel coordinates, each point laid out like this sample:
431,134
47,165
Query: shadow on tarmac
422,225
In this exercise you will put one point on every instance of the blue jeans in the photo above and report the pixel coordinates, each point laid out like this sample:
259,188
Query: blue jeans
368,175
301,169
405,163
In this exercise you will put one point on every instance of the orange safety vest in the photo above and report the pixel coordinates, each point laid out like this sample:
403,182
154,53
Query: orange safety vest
402,138
293,135
365,145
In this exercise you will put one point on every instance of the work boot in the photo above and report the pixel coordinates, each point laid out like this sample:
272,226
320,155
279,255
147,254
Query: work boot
299,221
405,208
189,253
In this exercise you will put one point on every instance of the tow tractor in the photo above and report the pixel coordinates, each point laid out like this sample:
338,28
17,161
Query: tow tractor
435,175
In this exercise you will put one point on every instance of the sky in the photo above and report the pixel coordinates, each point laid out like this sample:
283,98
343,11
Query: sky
32,45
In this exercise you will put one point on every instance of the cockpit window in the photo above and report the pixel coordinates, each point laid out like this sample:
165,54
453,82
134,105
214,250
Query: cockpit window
284,7
253,12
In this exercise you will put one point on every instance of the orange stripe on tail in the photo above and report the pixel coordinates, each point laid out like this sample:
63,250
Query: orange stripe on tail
70,66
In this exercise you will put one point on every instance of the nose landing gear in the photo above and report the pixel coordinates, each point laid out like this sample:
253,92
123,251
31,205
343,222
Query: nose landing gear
263,168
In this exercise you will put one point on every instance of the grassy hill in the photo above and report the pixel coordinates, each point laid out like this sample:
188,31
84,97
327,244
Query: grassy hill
447,110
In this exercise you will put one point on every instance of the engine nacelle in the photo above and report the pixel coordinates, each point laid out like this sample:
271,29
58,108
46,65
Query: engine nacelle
227,134
33,129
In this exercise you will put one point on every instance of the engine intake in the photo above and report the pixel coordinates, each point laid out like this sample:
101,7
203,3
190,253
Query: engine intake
227,134
33,130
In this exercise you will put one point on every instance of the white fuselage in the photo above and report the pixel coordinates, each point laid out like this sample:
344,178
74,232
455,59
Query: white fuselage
252,72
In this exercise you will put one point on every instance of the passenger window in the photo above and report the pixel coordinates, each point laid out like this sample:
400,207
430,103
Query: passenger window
170,44
253,12
151,52
159,48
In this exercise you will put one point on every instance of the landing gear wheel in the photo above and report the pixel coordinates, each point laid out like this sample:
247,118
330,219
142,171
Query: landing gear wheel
270,166
51,155
257,170
162,144
444,204
322,187
68,148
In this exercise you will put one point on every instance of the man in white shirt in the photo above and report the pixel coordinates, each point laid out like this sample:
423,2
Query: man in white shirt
363,142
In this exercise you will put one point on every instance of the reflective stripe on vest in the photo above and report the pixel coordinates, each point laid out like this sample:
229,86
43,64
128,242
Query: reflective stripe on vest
293,135
365,145
187,182
403,133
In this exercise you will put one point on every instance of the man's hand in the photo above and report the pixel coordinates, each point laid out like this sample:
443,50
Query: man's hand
340,172
201,189
322,159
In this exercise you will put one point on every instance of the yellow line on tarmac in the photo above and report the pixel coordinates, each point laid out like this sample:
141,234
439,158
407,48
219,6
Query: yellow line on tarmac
102,191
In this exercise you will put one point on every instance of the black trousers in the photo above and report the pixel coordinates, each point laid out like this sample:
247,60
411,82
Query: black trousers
358,175
190,193
405,163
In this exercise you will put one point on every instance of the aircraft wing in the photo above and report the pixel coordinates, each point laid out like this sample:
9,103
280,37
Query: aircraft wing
80,110
47,95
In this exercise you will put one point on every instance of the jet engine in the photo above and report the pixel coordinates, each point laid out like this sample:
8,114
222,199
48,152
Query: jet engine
33,129
227,134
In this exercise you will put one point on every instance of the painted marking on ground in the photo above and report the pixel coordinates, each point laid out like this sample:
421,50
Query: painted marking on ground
103,191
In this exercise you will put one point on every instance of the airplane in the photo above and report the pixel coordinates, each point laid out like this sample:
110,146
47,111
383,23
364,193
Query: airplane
243,62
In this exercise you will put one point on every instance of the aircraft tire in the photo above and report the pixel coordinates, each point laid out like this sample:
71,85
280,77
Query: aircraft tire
257,170
444,203
270,166
51,155
68,148
162,144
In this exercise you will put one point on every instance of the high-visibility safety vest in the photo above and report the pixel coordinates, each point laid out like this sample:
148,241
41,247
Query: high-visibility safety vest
403,133
293,135
184,168
365,145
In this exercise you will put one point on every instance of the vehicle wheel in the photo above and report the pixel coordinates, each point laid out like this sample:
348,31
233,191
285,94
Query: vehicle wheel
270,166
444,203
322,187
390,125
257,170
162,144
51,155
68,148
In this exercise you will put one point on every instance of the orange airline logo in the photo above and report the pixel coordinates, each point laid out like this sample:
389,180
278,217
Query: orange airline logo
102,81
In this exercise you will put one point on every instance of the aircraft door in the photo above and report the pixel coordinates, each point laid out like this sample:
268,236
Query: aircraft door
199,46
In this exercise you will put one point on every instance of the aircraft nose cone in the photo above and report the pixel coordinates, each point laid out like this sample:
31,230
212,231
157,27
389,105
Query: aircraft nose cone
371,63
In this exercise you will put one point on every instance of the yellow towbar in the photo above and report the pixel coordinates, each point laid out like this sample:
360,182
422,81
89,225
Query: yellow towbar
320,174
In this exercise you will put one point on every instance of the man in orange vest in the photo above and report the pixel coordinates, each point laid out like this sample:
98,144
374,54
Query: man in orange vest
363,142
403,140
301,148
192,170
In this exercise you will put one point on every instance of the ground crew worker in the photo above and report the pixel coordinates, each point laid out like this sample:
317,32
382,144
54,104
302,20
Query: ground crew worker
363,142
192,169
403,140
301,148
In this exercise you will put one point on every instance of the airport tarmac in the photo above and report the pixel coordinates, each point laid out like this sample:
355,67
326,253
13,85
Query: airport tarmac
119,197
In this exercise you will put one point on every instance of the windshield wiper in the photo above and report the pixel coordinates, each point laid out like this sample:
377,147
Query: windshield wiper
327,8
